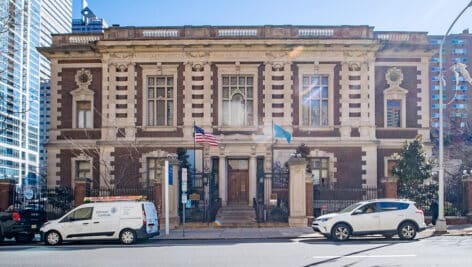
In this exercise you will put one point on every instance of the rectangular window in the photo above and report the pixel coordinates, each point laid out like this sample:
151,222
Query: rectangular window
82,169
153,170
390,165
315,100
319,170
160,101
394,113
84,114
238,100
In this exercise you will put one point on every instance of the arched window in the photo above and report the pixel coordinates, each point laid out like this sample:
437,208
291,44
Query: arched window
238,100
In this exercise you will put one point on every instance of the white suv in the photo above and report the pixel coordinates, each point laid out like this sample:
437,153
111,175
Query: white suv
381,216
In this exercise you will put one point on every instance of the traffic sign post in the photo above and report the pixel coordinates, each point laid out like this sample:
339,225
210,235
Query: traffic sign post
184,197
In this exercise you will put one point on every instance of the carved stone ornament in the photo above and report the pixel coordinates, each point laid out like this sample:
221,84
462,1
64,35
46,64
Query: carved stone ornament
394,77
121,55
198,54
276,55
83,78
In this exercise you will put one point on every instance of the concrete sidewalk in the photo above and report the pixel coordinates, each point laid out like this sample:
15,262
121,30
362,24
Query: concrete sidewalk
214,233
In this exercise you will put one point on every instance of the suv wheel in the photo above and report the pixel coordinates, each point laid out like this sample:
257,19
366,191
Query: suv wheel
407,231
127,237
341,232
52,238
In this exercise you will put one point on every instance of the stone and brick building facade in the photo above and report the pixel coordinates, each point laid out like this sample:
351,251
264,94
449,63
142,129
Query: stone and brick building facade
122,101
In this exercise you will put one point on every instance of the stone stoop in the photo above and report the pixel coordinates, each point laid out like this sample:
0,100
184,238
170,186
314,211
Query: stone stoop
233,216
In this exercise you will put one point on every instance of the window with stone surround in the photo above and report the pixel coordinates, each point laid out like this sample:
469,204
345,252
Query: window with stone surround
238,100
394,113
390,165
83,169
84,114
316,96
153,170
320,171
315,100
160,100
394,100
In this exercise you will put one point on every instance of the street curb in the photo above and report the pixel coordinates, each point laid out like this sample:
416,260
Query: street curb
243,238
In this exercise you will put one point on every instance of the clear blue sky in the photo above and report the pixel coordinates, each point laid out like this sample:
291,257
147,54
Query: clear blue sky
433,16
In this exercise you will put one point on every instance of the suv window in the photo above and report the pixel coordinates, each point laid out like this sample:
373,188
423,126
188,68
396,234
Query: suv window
79,215
369,208
391,206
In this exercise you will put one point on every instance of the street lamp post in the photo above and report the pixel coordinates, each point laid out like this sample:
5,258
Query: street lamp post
441,226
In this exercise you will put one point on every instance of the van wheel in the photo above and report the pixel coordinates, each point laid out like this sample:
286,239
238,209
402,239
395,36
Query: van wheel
341,232
127,237
52,238
407,231
24,238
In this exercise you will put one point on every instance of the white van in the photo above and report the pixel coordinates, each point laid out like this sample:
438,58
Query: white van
126,221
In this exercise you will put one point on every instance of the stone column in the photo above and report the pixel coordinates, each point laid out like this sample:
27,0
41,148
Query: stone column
390,187
297,193
309,199
173,196
81,187
468,196
252,178
6,193
222,180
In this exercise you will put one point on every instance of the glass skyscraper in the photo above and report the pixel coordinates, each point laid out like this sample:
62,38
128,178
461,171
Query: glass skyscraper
21,70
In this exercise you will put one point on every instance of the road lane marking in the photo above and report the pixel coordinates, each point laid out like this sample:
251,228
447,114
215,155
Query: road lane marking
364,256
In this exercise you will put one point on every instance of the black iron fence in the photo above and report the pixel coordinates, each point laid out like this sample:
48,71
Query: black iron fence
333,199
275,205
424,194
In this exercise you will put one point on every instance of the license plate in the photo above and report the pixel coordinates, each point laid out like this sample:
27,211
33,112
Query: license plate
33,226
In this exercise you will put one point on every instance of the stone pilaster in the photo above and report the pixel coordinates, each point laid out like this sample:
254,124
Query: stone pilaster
222,180
468,196
297,193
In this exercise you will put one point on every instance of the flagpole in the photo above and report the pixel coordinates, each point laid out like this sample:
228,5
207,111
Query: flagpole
194,152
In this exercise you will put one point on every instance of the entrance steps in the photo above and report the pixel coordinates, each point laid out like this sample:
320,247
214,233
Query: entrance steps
236,215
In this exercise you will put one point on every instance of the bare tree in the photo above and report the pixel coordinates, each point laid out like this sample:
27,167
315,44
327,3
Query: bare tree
125,174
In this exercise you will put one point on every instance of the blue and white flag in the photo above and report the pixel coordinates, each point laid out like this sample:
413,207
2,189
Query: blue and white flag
279,132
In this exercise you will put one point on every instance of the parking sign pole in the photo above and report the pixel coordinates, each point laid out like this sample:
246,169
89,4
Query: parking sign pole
166,192
184,197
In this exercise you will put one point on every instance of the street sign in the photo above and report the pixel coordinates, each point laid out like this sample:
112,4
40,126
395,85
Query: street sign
194,196
188,205
171,175
184,175
29,193
184,198
184,180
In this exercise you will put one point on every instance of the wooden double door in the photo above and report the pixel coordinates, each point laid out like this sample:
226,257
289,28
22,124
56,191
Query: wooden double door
238,186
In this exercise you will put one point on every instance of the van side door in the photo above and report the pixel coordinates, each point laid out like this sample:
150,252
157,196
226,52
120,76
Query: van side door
77,224
105,221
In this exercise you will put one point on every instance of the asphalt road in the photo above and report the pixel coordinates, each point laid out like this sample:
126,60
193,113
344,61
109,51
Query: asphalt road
433,251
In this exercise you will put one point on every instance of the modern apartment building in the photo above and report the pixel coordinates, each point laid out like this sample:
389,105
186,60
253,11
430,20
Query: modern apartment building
124,100
89,23
457,91
21,71
56,16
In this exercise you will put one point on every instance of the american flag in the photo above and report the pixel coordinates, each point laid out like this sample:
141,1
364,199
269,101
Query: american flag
203,137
